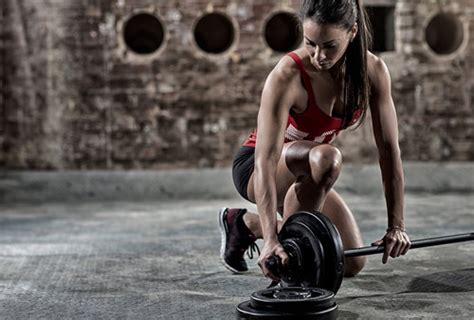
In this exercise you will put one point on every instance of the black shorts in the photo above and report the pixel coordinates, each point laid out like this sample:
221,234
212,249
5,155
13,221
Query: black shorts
242,169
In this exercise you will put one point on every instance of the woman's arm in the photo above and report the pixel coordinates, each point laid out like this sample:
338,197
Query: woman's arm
385,126
277,99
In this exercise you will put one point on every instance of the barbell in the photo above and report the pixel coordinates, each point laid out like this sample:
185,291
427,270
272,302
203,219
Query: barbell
315,269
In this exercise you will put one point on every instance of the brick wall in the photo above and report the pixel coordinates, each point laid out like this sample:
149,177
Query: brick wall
435,93
75,97
2,79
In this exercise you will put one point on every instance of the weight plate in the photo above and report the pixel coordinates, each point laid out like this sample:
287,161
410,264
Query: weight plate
289,303
320,254
292,299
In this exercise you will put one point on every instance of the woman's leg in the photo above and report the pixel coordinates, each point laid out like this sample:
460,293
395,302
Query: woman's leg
252,221
316,168
337,210
305,172
305,175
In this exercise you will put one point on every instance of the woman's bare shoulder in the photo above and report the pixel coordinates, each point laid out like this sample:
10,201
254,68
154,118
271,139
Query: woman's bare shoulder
376,67
280,86
285,71
379,75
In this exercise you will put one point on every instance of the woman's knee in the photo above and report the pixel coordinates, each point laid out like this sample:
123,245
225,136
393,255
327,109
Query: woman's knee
354,265
301,156
325,162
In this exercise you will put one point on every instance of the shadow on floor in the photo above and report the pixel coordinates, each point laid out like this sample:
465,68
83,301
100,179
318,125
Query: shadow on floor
447,281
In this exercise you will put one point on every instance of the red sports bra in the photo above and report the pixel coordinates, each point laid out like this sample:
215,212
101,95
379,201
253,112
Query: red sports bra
312,124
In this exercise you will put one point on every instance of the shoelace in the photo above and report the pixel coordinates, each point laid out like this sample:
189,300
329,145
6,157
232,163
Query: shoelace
252,249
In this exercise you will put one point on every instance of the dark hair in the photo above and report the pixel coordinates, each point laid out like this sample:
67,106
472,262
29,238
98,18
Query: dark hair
344,14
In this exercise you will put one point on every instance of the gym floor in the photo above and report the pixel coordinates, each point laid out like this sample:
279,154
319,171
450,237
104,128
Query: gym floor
160,260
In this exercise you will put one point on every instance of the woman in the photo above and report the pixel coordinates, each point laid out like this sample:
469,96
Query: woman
288,164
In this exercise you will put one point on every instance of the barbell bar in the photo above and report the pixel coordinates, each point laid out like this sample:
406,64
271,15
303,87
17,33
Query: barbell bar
420,243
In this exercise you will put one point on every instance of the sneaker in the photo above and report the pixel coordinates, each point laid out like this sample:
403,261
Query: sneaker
235,242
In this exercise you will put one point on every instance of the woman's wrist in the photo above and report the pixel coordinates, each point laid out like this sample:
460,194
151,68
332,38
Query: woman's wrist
399,228
270,237
396,221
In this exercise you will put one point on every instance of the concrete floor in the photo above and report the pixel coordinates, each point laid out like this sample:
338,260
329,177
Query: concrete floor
160,260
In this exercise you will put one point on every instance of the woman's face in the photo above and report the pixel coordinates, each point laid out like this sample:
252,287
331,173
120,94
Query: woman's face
326,44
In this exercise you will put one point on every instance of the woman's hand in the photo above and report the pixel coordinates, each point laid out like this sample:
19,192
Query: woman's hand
270,248
396,242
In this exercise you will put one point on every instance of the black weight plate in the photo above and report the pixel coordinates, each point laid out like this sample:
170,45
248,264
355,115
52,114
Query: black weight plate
331,241
323,251
246,311
292,299
294,272
306,270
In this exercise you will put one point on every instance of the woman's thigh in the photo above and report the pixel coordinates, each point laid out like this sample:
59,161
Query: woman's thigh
295,153
284,177
337,210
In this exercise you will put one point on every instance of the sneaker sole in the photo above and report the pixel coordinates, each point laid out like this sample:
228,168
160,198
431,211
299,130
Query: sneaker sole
223,229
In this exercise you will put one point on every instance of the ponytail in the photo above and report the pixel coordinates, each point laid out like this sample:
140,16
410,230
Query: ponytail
356,79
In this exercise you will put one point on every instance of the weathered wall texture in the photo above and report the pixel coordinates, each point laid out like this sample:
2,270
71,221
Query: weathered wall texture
434,94
2,130
73,95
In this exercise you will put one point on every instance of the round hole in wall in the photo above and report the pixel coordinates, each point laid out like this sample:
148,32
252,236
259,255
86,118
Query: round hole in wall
282,32
144,33
444,33
214,33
